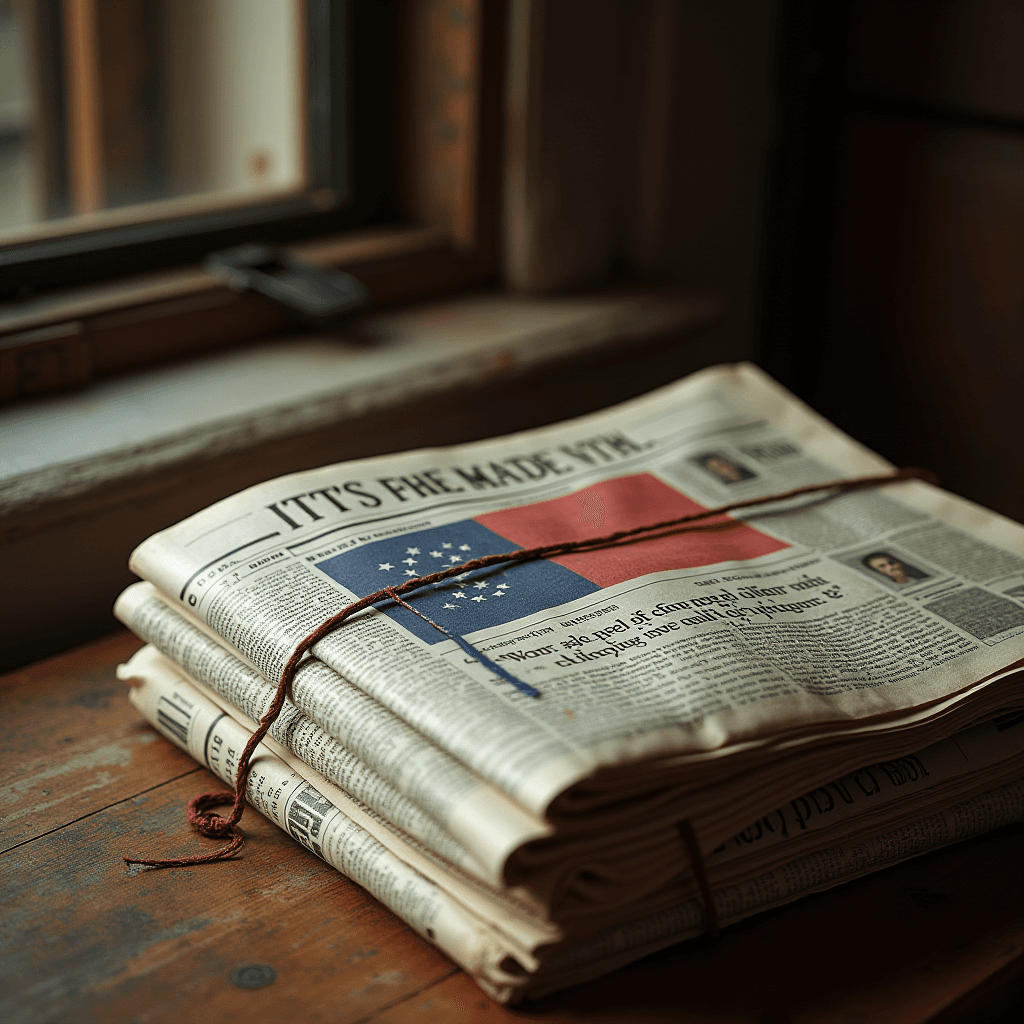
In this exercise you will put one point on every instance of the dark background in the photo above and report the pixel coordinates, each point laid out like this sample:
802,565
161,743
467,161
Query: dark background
893,277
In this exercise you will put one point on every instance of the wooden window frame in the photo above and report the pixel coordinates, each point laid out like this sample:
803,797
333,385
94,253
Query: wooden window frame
450,132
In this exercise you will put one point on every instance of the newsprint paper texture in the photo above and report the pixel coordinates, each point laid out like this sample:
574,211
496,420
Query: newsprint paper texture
883,602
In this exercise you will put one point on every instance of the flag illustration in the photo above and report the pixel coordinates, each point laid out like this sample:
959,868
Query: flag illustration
491,597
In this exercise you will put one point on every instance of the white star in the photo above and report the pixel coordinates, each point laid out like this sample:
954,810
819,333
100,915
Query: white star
480,585
501,586
410,572
463,547
479,597
436,554
409,561
446,546
412,551
463,596
384,565
454,558
454,607
498,593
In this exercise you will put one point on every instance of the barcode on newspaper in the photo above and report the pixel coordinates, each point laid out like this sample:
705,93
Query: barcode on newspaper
174,716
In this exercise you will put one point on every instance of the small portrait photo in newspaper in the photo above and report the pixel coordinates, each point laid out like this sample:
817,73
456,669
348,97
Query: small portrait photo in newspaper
724,469
888,566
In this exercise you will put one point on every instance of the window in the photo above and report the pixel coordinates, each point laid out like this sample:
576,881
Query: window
146,133
189,123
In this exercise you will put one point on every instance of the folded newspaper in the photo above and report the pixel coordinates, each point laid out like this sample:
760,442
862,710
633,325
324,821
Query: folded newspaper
840,670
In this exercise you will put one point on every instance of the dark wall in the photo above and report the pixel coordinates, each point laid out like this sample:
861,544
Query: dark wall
720,128
895,262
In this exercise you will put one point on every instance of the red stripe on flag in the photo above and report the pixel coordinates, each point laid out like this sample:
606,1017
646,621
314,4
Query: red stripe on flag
622,504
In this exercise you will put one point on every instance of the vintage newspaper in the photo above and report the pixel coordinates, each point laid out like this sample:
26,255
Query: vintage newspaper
879,815
888,617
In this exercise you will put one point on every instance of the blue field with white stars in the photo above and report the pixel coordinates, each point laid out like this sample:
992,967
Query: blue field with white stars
477,600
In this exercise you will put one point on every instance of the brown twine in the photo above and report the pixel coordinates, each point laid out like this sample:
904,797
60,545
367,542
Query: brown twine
206,823
700,872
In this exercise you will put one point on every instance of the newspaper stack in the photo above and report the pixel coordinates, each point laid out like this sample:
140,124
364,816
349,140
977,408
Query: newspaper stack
812,691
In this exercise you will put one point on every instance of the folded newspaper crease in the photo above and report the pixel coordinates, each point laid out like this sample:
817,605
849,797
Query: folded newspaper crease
716,676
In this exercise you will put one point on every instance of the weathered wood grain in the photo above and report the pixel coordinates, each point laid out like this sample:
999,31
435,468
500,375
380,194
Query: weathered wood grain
71,744
87,939
91,938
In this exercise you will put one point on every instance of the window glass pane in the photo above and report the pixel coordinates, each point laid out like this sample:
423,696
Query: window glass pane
115,112
19,201
232,95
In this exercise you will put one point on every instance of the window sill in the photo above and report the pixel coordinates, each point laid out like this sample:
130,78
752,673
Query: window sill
86,476
349,250
71,338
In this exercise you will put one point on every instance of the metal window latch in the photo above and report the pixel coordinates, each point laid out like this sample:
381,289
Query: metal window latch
319,295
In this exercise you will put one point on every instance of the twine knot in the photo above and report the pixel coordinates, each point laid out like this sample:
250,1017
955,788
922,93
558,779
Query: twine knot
204,821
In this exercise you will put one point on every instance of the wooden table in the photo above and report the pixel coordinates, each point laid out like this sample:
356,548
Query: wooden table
87,939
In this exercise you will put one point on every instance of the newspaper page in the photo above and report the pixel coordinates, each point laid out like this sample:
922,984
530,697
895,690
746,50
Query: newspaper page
879,795
848,609
631,856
